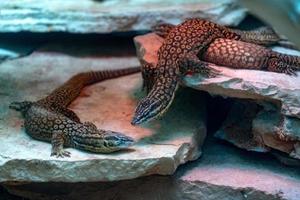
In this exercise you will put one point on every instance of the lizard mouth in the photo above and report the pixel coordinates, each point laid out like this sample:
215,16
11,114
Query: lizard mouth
117,141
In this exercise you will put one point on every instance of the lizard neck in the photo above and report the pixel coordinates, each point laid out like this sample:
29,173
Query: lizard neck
159,98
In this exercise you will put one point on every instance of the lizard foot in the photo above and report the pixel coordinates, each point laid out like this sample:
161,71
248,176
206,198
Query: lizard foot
291,70
20,106
208,72
60,153
280,65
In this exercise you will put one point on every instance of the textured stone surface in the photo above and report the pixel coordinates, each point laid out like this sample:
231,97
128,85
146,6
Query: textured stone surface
250,126
221,173
278,94
90,16
161,146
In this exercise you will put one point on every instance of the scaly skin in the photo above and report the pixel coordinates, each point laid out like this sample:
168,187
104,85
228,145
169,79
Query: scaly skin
238,54
182,45
50,120
265,36
177,55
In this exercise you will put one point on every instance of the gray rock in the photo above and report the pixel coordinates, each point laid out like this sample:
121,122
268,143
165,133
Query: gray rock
246,126
109,16
161,146
221,173
11,49
251,127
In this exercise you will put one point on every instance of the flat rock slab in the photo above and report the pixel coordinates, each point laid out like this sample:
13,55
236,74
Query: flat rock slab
161,146
279,95
108,16
223,172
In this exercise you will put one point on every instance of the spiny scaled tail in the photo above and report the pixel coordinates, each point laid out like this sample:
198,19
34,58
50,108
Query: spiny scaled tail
96,76
69,91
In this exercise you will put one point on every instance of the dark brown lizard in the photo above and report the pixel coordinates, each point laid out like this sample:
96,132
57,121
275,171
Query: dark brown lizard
179,54
50,120
244,55
238,55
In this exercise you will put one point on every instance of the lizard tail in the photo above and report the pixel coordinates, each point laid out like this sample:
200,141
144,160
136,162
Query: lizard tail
70,90
96,76
262,36
156,102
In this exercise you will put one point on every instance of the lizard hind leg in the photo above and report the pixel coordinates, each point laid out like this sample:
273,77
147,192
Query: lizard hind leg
22,106
191,63
148,74
162,29
66,112
276,64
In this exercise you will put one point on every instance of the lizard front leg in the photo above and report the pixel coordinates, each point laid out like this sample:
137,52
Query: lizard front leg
148,74
57,141
191,63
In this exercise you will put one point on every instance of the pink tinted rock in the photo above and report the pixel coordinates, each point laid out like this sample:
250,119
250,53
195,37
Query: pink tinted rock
161,146
272,90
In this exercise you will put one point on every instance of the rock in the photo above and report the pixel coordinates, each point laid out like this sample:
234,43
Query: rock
238,129
161,146
222,173
251,127
110,16
248,126
11,49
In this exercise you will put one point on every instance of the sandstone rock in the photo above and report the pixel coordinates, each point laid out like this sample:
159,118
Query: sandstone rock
90,16
247,126
222,173
161,146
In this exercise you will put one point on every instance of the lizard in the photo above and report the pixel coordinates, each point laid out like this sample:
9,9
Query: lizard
239,55
235,54
49,119
264,35
179,54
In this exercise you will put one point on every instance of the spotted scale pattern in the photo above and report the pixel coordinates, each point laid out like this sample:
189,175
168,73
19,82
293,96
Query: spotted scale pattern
180,46
50,120
238,54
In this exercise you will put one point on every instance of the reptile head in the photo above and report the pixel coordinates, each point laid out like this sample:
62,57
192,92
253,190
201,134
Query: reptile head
114,141
101,141
147,109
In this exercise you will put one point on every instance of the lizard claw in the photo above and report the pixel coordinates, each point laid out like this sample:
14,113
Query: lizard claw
291,70
60,153
211,72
